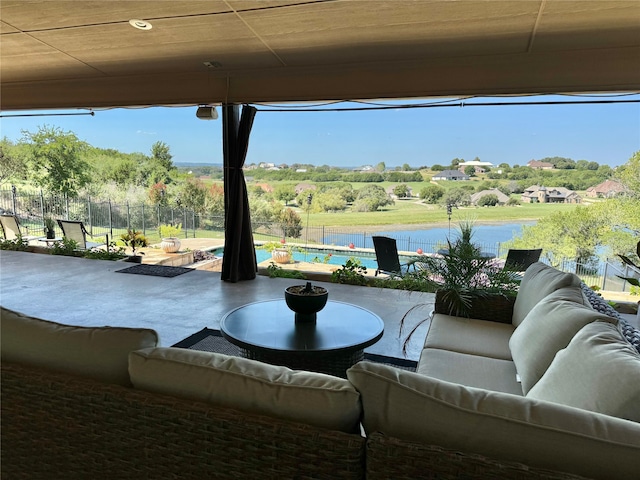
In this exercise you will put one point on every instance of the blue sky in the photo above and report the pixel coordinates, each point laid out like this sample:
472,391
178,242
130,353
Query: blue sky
606,133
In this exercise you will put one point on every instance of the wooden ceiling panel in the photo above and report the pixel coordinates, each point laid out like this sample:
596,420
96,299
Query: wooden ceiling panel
33,15
345,32
181,44
6,28
571,25
296,50
22,53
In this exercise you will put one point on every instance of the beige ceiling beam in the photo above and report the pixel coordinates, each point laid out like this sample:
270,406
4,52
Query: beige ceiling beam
604,70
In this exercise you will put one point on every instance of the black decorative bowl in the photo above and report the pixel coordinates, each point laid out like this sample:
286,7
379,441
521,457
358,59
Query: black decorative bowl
306,301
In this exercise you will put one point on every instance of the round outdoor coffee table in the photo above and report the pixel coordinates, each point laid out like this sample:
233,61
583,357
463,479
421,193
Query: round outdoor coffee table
267,331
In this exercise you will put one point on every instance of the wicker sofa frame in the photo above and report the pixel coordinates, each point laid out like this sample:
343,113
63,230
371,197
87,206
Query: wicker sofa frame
56,425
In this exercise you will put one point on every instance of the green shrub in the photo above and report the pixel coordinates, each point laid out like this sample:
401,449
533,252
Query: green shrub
18,245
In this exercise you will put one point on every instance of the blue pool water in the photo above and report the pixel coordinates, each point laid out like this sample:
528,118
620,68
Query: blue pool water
313,255
318,255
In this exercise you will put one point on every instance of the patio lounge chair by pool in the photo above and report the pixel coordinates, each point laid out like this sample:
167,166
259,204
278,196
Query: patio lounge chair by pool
11,228
76,231
387,257
520,260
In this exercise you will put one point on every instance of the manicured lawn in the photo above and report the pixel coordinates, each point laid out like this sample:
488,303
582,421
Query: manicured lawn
408,212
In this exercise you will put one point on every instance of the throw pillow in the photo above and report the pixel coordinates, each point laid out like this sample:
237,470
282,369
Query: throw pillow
101,353
248,385
539,280
598,371
548,327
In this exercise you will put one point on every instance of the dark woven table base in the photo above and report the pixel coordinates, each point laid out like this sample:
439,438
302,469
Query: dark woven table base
155,270
210,340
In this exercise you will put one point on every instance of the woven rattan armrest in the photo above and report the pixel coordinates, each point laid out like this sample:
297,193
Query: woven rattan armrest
80,428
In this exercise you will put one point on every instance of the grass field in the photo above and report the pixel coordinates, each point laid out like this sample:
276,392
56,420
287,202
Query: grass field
411,212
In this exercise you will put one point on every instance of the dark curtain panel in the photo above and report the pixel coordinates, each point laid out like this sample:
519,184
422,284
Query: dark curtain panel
239,259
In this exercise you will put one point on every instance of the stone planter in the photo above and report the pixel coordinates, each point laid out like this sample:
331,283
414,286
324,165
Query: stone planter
170,244
281,255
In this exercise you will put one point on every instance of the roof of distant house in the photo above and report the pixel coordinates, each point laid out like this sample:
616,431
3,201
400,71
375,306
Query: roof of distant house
608,186
539,164
475,163
451,174
502,198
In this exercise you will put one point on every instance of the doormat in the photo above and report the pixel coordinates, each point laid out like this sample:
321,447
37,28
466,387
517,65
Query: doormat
155,270
210,340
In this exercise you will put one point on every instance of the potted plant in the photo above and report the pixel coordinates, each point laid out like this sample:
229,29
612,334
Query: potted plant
467,283
49,227
169,234
280,252
306,301
134,239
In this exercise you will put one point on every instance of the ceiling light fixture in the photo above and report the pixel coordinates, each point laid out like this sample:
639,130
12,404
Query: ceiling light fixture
140,24
207,112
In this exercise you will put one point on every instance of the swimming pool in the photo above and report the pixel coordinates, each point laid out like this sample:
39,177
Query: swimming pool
332,257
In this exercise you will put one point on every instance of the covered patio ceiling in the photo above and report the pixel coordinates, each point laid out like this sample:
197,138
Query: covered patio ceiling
68,54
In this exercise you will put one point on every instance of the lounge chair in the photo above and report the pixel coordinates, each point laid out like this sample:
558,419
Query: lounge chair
76,231
520,260
12,230
387,257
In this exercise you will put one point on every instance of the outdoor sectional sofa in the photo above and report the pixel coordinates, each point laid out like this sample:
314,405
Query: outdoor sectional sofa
81,402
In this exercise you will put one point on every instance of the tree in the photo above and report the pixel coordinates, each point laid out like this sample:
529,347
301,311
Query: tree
401,191
55,162
629,174
284,193
371,198
12,162
160,152
406,167
381,167
192,194
489,200
291,223
456,196
432,193
158,194
470,170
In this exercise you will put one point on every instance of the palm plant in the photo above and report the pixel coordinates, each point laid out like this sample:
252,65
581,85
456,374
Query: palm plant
632,280
467,283
134,239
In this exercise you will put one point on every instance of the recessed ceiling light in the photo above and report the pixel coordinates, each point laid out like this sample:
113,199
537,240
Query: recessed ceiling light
212,64
140,24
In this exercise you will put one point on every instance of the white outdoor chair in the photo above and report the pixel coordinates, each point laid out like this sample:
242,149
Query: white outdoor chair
76,231
11,228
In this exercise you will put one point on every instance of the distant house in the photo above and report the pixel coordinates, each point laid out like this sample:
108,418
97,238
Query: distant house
301,187
606,189
450,175
538,165
480,167
542,194
502,198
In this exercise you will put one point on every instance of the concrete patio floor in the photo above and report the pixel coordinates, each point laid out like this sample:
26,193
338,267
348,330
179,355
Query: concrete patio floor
78,291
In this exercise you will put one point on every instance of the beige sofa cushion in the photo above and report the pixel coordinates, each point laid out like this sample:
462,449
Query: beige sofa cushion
539,280
414,407
598,371
470,370
468,335
101,353
548,327
248,385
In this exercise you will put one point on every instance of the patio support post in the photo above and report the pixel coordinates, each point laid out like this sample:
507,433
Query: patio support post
239,259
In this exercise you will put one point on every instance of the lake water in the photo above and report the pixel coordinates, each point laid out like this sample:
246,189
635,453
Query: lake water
489,237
